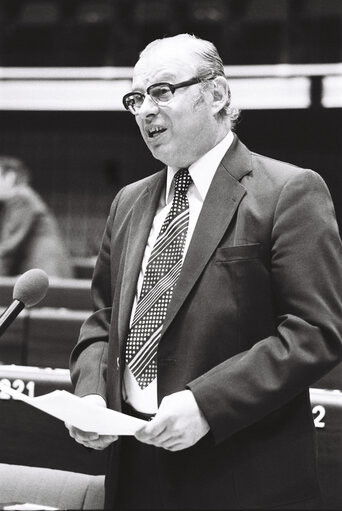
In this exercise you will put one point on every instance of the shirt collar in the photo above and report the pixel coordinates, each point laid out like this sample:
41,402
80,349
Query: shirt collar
203,170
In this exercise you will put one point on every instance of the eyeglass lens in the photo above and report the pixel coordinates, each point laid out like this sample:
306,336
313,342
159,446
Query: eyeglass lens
159,93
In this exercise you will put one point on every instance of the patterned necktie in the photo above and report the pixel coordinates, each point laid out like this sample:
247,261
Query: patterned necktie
162,271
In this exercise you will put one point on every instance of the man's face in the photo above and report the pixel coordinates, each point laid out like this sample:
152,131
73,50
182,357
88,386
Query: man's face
182,130
7,184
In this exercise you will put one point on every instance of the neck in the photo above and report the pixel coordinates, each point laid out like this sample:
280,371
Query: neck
218,136
223,127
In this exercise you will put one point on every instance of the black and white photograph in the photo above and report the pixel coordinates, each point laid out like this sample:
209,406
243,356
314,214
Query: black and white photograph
170,255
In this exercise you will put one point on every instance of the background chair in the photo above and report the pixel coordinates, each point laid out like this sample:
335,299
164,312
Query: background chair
50,487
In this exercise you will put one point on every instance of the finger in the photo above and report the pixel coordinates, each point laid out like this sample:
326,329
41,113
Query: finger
85,436
72,430
83,441
166,437
80,434
173,446
100,447
102,442
106,440
152,430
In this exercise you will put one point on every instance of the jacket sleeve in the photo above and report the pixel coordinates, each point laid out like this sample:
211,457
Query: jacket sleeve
306,273
88,361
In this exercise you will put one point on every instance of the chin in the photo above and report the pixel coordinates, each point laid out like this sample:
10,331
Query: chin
161,155
166,155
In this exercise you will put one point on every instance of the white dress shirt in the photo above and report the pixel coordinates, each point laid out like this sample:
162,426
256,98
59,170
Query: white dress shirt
202,173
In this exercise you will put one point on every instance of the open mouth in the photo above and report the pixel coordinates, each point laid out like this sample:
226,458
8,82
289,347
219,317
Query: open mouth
154,132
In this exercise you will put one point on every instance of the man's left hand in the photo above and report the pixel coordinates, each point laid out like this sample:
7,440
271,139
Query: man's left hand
178,424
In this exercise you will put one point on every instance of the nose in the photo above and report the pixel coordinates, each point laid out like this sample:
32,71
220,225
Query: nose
148,107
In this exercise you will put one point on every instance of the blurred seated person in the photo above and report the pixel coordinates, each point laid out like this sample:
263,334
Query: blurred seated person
29,234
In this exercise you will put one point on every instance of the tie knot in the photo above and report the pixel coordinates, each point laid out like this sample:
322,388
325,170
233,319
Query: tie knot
182,181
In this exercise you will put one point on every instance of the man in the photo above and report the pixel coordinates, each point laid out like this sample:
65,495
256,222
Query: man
219,341
29,234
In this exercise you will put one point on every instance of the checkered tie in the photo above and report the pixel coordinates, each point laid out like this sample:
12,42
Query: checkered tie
162,271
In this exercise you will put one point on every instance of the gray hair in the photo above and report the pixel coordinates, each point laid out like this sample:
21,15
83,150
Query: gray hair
211,65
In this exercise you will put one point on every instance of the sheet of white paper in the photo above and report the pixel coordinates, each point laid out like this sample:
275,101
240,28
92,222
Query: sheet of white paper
76,411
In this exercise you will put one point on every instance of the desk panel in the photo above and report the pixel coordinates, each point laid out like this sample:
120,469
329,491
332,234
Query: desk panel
31,437
52,335
68,293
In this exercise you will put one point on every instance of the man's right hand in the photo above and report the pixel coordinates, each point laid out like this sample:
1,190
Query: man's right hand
86,438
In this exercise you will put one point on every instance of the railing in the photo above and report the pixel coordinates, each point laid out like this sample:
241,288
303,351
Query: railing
101,89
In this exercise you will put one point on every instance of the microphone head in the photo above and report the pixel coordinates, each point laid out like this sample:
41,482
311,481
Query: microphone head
31,287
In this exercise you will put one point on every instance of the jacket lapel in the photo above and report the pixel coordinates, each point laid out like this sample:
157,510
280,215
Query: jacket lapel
140,226
222,200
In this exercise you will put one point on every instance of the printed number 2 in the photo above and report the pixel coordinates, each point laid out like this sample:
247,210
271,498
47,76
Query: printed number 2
320,411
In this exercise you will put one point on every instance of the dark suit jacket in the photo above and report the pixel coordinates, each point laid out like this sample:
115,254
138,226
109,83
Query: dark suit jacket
30,237
256,317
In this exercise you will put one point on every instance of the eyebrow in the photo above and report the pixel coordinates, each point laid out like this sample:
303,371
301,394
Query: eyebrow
169,79
136,91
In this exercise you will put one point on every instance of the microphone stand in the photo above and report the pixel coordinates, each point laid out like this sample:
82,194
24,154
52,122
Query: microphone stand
10,314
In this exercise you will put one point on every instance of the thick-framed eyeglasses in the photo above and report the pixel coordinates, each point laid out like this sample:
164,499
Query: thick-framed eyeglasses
160,93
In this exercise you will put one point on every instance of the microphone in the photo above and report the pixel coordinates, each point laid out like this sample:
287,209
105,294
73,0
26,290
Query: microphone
29,289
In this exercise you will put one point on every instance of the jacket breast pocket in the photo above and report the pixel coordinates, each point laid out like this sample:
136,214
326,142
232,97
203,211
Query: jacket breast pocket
245,272
239,252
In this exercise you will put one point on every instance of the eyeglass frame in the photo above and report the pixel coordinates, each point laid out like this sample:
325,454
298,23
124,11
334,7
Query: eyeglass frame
173,88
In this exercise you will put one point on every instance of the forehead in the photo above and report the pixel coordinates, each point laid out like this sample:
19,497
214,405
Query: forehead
164,63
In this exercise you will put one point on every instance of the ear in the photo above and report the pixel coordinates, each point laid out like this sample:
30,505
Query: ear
221,94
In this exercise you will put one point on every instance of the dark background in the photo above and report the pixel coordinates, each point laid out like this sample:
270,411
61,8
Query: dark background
112,32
